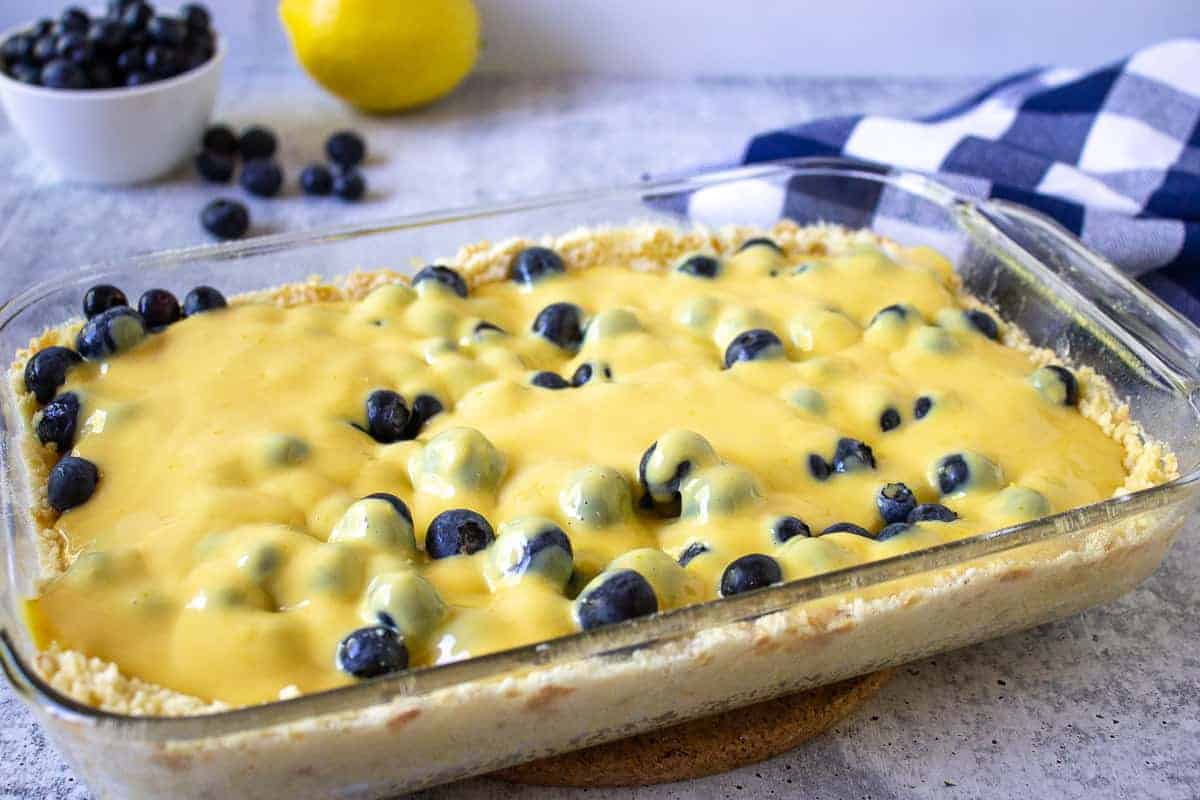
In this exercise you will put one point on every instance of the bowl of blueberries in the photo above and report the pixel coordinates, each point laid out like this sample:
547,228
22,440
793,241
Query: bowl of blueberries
112,96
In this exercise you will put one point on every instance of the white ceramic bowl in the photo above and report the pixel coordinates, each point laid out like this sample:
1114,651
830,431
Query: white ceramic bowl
115,136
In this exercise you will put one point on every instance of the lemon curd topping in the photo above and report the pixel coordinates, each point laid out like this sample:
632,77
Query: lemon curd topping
592,445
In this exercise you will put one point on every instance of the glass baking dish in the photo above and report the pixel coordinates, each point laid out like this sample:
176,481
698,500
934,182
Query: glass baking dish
437,724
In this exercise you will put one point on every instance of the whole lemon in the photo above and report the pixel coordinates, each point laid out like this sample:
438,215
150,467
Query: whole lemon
384,55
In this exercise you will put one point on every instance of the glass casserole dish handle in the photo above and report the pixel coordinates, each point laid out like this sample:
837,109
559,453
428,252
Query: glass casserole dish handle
441,723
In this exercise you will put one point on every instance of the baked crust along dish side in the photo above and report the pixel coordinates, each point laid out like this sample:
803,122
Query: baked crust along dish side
1137,463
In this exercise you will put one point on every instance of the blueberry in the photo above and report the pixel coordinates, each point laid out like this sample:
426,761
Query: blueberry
889,419
690,552
261,177
534,263
257,142
42,27
424,408
45,48
162,61
922,406
346,149
891,530
58,422
953,474
761,241
225,219
387,416
851,454
62,74
458,531
219,139
136,16
106,35
316,179
26,73
109,333
138,78
18,48
847,527
158,308
748,573
984,323
214,167
484,328
753,345
596,497
1057,384
399,505
74,19
789,528
349,185
560,324
666,463
101,298
76,48
166,31
588,370
195,16
818,467
901,312
931,512
549,380
132,59
101,76
372,651
47,370
72,482
895,502
195,55
201,299
700,266
615,597
543,548
444,276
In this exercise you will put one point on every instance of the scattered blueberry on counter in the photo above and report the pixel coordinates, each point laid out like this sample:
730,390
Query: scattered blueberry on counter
349,185
316,180
225,219
130,44
346,149
261,177
257,142
214,167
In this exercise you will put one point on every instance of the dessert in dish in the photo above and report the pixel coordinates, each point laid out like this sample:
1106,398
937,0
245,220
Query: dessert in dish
315,484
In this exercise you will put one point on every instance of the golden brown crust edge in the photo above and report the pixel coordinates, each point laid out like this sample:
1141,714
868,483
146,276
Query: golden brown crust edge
646,247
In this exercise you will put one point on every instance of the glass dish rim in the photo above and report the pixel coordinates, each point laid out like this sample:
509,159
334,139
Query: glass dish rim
610,640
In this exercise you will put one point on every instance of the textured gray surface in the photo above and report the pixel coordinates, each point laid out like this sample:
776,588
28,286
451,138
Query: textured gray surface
1106,704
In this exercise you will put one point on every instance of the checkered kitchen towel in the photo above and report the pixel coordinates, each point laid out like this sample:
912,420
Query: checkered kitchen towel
1113,155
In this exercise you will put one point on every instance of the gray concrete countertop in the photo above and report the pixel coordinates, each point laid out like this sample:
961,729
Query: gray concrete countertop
1106,704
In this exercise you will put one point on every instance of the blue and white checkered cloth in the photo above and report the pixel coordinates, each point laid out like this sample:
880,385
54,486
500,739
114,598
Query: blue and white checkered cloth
1113,155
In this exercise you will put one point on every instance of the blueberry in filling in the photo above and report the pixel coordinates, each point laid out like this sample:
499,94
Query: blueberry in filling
444,276
484,328
984,323
847,527
387,416
818,467
396,503
931,512
700,266
458,531
560,324
891,530
534,263
614,597
895,310
851,454
588,370
101,298
690,552
922,406
58,422
424,408
753,345
760,241
789,528
1057,384
372,651
159,308
72,482
953,474
889,419
109,333
895,502
201,299
47,370
748,573
549,380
